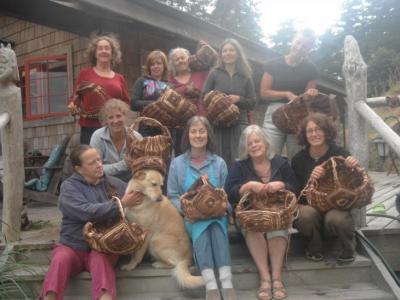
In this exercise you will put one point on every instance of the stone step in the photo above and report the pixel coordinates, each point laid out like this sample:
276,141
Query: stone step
353,291
299,272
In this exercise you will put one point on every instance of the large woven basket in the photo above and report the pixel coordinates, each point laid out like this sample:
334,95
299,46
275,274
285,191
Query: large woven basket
148,163
204,201
340,187
220,111
288,117
158,145
204,59
89,109
171,109
122,238
267,211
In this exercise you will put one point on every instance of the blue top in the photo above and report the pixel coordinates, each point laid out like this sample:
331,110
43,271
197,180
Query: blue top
177,174
243,171
80,202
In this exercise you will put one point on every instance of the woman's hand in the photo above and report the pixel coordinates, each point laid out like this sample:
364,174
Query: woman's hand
274,186
132,198
311,92
251,186
350,162
290,96
234,98
317,172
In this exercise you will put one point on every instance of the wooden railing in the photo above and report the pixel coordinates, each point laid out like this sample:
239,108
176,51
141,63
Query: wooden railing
359,112
11,127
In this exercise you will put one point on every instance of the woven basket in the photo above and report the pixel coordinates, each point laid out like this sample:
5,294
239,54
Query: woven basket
171,109
288,117
148,163
159,145
91,109
340,187
220,111
122,238
204,59
203,201
267,211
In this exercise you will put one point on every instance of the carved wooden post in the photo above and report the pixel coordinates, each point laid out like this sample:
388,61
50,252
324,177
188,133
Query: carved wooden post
355,74
12,146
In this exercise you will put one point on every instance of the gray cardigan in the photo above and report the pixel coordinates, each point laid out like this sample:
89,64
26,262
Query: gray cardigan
238,84
114,162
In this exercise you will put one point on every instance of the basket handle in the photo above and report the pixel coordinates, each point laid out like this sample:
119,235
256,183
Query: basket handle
153,122
121,210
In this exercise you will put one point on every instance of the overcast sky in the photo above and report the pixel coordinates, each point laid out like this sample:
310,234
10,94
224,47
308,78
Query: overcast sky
315,14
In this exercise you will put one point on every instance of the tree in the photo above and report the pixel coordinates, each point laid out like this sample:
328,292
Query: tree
374,23
239,16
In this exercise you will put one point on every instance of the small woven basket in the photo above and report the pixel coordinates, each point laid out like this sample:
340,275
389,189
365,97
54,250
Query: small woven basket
98,97
171,109
122,238
220,111
158,145
267,211
204,59
203,201
340,187
288,117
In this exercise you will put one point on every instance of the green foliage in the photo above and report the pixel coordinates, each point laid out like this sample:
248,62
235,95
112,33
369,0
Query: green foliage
240,16
10,288
374,23
282,39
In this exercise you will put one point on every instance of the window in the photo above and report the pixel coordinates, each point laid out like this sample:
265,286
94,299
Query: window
44,86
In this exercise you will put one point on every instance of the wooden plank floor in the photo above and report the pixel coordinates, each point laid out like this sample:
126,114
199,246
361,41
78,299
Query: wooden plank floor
386,188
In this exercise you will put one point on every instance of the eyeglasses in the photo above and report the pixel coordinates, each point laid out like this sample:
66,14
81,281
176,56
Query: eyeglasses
310,131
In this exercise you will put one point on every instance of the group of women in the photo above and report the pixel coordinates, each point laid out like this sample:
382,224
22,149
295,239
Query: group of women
240,158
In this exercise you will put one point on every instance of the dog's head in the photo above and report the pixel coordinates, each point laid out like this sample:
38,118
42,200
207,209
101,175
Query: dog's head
150,183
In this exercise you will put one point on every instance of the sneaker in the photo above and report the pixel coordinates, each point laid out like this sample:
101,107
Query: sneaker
345,259
316,256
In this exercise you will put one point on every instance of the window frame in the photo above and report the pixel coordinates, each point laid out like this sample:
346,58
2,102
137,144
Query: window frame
27,85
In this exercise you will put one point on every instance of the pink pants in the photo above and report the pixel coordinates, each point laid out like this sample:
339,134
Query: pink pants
67,262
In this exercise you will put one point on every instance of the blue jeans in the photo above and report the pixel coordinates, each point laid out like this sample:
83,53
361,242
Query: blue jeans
211,249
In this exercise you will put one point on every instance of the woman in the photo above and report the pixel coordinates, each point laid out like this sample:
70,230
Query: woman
85,196
185,82
232,76
209,237
259,170
103,54
110,140
284,79
317,134
150,87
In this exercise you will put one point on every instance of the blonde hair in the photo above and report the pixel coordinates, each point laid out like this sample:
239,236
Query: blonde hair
113,104
116,54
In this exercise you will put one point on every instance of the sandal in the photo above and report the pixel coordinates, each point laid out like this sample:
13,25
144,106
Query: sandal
278,292
265,293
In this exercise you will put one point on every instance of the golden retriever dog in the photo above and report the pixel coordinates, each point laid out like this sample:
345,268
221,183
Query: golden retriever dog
167,240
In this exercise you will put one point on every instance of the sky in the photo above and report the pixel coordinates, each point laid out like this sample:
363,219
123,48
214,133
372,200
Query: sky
318,15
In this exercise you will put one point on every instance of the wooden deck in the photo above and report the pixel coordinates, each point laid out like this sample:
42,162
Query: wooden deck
386,188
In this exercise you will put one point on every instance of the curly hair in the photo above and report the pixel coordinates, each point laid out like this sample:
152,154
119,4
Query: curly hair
113,104
323,122
153,56
115,49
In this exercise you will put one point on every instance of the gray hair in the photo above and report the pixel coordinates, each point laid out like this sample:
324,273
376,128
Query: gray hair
171,55
243,151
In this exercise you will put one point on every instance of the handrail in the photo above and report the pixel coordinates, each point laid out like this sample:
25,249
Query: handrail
383,129
4,119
